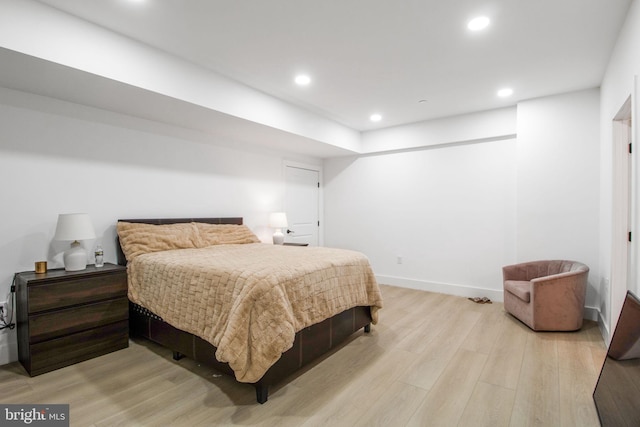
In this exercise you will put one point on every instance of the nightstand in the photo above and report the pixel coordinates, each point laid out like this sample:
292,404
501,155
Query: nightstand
65,317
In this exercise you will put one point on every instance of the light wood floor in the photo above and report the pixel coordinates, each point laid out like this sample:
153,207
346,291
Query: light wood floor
432,360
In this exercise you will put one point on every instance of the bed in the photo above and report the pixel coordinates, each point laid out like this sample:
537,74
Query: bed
249,309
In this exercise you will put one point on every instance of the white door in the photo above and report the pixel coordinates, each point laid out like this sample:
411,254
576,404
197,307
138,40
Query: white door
622,265
302,205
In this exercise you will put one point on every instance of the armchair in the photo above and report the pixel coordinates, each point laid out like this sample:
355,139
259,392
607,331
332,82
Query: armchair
546,295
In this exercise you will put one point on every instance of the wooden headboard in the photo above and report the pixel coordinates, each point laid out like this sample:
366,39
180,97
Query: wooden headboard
160,221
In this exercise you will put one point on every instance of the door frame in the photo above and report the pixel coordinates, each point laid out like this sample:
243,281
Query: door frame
312,167
623,266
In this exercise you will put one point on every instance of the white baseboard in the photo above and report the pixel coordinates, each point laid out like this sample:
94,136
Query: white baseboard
604,329
441,288
590,313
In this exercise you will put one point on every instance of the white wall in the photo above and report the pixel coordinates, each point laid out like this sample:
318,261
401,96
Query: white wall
558,181
457,213
57,157
449,212
619,83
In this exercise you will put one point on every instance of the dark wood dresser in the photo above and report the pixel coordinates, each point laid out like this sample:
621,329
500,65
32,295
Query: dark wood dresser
65,317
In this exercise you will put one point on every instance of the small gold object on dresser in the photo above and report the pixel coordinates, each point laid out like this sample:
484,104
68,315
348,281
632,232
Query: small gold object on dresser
65,317
41,267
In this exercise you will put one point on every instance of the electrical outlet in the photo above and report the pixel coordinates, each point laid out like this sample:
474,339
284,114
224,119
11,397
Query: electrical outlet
399,259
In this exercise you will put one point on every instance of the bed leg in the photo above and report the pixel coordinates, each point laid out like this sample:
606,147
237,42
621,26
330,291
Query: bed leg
367,328
262,393
177,355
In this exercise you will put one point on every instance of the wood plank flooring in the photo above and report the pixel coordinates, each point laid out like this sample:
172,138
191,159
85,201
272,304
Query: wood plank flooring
433,360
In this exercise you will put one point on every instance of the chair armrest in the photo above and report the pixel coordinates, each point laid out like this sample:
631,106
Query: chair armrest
552,292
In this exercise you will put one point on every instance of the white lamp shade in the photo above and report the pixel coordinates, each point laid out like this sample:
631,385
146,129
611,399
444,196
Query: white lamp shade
75,226
278,220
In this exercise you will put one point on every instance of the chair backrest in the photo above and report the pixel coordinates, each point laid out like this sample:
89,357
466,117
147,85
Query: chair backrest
545,268
566,266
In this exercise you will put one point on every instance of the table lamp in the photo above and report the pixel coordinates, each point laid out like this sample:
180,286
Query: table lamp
278,220
74,227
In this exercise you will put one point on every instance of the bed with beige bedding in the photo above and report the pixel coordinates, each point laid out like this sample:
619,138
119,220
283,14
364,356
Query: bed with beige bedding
208,289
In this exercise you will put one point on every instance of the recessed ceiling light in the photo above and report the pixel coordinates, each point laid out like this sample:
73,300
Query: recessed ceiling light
478,23
422,101
302,80
375,117
505,92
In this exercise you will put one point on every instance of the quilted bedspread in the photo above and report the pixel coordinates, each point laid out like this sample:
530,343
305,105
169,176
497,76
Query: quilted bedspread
249,300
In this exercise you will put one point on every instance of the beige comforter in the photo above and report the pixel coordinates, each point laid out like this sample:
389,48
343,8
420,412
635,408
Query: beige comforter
249,300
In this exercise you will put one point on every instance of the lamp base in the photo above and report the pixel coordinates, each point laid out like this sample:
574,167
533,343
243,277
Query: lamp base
75,258
278,237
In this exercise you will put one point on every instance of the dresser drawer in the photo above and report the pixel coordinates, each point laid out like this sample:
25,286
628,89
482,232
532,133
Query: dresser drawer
64,351
82,290
74,319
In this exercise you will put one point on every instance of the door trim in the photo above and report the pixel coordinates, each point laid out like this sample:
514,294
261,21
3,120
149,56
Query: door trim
622,213
316,168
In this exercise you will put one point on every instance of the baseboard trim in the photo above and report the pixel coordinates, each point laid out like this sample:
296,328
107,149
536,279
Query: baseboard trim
590,313
441,288
604,329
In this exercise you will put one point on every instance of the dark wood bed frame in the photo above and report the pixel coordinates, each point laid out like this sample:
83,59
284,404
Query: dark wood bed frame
310,343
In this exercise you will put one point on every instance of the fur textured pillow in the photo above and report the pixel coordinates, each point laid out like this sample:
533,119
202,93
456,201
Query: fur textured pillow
137,239
225,234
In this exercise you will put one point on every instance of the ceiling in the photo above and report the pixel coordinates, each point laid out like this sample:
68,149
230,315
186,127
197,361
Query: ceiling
379,56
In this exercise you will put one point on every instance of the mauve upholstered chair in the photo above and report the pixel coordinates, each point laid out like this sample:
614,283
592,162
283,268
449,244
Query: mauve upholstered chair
546,295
